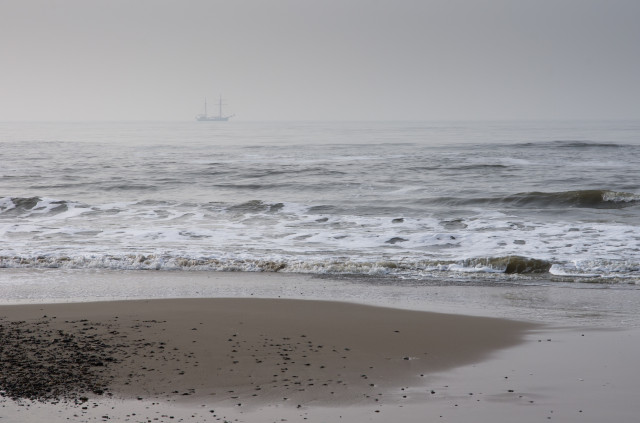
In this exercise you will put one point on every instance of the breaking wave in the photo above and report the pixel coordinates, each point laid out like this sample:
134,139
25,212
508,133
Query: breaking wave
255,206
597,199
514,266
511,264
22,206
601,199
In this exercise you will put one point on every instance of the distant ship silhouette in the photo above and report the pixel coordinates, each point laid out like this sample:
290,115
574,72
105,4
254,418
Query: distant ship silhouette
219,118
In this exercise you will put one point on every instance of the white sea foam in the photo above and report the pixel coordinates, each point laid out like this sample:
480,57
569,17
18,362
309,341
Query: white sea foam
307,243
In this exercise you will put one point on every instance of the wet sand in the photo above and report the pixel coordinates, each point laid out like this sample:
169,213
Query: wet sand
265,360
238,354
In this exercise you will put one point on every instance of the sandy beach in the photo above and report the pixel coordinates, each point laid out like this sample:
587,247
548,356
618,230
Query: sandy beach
242,352
258,359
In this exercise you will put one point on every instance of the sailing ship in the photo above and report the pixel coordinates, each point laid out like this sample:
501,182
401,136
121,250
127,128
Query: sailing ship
219,118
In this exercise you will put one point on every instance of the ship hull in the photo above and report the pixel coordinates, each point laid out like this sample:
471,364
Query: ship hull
212,118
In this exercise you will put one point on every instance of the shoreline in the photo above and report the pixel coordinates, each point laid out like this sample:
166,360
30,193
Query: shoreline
548,303
173,359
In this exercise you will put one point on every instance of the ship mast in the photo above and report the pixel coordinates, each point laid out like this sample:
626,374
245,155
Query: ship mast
220,117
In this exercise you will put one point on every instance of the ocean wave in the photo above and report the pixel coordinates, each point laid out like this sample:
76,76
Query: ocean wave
255,206
601,199
482,166
577,144
168,262
598,199
512,266
311,171
20,206
583,144
128,187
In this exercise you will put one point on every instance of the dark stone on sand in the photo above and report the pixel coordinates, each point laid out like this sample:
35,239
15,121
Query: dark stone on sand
39,363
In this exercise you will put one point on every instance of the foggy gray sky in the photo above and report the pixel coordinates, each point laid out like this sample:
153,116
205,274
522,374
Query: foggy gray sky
320,60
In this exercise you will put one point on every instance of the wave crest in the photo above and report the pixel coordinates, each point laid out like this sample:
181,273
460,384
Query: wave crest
602,199
595,198
511,264
16,206
602,271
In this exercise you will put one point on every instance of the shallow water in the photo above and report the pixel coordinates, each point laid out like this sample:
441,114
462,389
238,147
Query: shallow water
574,304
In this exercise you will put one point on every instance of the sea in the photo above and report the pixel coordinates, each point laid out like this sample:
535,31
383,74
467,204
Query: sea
468,202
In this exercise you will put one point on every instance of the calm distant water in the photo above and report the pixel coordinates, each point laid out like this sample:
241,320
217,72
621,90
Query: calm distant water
462,200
